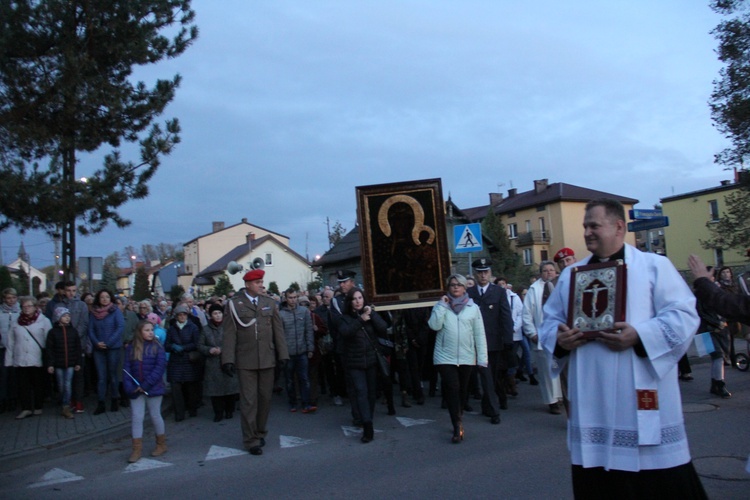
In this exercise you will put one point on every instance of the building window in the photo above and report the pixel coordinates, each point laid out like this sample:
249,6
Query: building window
713,208
269,259
528,257
513,231
542,228
541,208
528,226
544,255
719,257
511,214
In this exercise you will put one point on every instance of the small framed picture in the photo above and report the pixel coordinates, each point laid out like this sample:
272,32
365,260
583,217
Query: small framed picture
597,297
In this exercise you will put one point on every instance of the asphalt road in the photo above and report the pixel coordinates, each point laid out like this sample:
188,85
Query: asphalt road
316,455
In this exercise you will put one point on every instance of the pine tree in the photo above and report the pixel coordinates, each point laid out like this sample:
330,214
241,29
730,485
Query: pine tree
223,286
110,273
505,262
273,287
140,288
66,88
6,280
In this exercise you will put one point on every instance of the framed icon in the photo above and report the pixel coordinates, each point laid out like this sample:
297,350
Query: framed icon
405,257
597,297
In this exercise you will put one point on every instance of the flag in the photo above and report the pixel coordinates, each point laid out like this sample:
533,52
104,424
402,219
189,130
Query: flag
703,344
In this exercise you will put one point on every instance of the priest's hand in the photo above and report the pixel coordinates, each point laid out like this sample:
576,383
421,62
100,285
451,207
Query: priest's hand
569,338
625,338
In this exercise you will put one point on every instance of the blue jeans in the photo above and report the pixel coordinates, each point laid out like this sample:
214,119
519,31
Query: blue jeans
297,364
64,378
106,362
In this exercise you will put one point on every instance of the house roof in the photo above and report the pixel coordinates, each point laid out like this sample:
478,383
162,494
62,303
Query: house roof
346,249
701,192
235,225
205,277
555,192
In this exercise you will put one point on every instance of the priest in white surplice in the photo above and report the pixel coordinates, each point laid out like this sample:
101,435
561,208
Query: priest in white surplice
626,432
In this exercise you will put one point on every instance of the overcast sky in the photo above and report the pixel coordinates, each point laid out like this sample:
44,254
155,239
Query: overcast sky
287,106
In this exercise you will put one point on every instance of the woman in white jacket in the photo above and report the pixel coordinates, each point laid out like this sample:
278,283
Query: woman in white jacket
460,345
27,336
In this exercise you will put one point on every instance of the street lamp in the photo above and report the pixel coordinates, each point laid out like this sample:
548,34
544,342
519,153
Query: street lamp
132,286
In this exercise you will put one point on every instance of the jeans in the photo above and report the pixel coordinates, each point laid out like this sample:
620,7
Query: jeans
297,364
106,362
64,378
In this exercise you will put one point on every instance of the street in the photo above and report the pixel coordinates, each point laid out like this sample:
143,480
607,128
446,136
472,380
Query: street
319,455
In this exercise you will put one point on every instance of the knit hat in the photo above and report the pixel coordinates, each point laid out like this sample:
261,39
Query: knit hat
215,307
182,308
153,318
59,313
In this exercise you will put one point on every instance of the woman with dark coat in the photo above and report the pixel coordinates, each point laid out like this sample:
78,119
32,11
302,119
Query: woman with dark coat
184,375
222,390
359,328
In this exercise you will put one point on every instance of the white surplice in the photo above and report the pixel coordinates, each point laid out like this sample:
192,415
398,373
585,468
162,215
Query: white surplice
605,428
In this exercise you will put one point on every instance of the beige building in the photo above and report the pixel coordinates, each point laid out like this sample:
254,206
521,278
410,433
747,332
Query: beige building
204,250
545,219
690,215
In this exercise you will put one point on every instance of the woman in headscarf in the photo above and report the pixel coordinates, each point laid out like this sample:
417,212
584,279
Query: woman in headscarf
222,390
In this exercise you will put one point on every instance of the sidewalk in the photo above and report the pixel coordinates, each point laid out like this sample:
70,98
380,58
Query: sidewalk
21,441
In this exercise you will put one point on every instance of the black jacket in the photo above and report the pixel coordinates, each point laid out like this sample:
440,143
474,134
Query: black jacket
63,348
498,320
360,350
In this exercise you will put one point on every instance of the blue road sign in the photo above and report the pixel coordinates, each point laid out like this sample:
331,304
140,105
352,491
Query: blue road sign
467,238
646,224
641,214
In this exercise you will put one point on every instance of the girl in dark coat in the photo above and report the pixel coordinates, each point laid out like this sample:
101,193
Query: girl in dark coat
360,327
184,375
63,352
143,382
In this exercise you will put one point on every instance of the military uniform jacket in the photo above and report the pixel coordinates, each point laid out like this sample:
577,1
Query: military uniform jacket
498,321
253,335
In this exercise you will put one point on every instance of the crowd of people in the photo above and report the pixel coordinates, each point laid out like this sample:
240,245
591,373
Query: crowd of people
478,341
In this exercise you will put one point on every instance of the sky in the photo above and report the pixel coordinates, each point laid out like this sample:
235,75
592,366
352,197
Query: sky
287,106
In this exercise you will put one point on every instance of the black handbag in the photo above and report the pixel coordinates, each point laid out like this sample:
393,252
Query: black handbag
383,365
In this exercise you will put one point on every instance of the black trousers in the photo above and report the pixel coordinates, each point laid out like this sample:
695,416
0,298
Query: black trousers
678,483
30,387
455,384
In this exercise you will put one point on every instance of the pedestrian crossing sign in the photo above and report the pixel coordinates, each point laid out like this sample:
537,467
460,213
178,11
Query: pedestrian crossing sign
467,238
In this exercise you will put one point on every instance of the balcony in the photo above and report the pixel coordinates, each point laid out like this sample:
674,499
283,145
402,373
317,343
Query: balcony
532,238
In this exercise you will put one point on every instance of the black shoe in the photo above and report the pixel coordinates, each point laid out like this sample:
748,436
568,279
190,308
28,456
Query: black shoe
468,408
256,450
368,432
495,420
458,434
520,376
114,406
228,414
533,380
100,408
262,442
719,388
218,417
554,409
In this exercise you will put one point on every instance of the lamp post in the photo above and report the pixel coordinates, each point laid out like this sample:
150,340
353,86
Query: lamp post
132,286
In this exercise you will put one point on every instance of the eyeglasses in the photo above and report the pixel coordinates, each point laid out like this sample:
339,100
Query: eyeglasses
455,284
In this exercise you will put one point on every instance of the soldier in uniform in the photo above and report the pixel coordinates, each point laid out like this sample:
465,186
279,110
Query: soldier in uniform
253,343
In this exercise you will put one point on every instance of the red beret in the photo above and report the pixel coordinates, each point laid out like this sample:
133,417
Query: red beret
255,274
564,252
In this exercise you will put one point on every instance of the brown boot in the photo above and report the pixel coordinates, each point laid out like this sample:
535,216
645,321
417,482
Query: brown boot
137,448
161,445
66,412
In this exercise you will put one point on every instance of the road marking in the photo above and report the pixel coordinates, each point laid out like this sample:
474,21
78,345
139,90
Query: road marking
292,442
353,431
146,464
218,452
56,476
408,422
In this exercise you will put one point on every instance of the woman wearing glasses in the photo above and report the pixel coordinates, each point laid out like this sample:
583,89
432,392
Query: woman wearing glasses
460,345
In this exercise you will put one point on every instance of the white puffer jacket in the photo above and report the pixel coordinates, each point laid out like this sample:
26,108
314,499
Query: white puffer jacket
22,350
460,339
